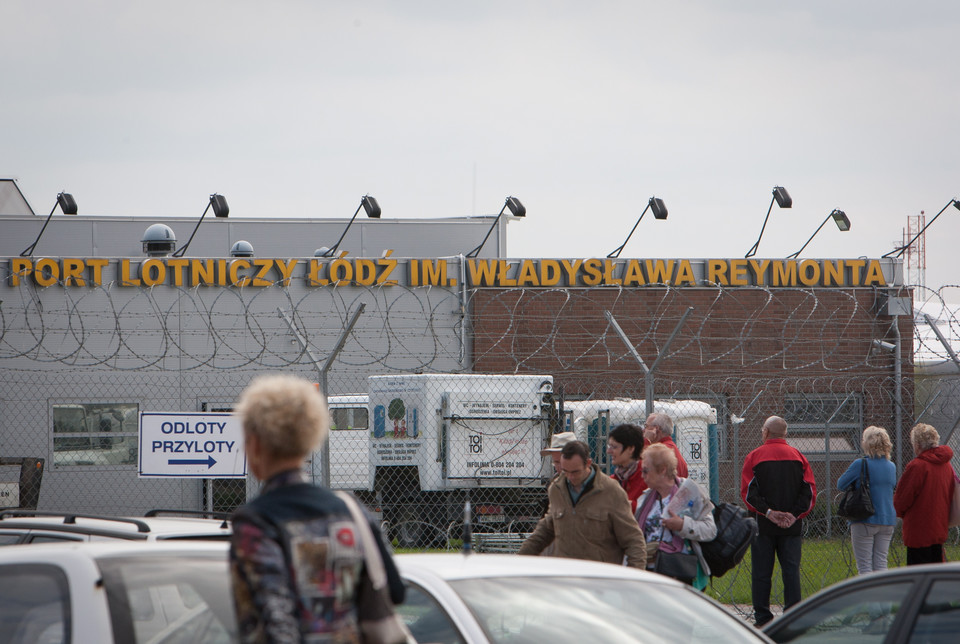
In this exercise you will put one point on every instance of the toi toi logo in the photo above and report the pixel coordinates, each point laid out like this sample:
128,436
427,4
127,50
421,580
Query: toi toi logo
696,450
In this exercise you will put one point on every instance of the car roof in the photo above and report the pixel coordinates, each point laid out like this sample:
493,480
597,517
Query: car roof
892,573
453,566
147,527
86,550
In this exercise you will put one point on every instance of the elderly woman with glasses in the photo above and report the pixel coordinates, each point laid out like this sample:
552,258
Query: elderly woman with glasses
675,514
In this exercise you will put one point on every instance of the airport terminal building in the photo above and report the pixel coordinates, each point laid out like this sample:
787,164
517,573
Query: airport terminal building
94,330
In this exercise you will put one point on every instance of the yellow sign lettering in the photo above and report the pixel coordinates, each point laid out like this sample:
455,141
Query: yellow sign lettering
717,272
153,272
634,274
126,279
784,273
592,273
550,272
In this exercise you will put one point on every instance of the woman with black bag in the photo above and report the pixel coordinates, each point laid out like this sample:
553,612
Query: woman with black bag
675,515
871,536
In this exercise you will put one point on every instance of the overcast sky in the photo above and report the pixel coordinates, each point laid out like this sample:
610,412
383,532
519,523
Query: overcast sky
582,110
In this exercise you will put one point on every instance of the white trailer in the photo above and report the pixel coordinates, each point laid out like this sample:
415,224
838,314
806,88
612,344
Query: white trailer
592,420
426,442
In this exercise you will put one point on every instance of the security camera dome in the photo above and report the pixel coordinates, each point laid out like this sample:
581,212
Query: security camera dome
159,240
242,248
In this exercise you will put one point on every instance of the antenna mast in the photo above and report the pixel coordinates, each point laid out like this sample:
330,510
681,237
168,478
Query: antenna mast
915,257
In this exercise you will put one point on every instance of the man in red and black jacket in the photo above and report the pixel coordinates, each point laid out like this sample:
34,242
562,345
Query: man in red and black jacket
777,485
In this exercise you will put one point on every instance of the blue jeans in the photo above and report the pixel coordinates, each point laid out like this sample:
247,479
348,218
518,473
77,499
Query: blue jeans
787,549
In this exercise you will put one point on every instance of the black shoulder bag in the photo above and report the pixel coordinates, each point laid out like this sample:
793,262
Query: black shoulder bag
856,504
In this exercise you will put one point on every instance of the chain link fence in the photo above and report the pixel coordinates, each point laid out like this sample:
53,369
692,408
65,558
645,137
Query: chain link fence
440,395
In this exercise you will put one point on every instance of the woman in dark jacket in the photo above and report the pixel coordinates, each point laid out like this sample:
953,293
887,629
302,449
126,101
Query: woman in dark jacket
624,445
923,497
297,557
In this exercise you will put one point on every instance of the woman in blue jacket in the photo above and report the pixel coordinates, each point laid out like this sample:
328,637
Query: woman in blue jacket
871,536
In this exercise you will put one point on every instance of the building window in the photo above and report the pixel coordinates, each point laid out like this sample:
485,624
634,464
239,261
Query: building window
812,418
348,418
95,433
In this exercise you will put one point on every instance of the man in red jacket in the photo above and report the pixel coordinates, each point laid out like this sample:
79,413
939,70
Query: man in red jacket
659,429
777,485
923,496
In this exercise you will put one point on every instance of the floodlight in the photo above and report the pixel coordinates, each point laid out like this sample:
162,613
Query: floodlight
839,217
659,212
69,207
220,209
370,206
782,197
897,252
516,209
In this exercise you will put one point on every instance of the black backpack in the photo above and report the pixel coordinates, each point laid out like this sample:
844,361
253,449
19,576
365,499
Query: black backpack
736,530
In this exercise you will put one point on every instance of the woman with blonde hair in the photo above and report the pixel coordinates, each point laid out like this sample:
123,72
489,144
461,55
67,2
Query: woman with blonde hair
299,553
676,527
924,495
871,536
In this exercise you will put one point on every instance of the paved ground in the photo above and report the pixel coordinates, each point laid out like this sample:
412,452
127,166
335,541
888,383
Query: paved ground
745,611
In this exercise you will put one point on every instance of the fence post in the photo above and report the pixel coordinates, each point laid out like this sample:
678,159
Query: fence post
828,492
322,373
648,373
325,449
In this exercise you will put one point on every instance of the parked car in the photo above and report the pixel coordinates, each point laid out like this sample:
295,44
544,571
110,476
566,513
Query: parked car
481,598
167,592
919,604
29,526
161,592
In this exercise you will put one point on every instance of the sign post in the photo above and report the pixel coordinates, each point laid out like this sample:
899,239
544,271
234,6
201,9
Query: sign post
198,445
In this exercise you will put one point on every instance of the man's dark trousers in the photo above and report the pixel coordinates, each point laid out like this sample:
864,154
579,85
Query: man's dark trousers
787,550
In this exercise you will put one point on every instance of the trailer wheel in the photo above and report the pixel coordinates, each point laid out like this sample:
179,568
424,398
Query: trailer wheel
412,527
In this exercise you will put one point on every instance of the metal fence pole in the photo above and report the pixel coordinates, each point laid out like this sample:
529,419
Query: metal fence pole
322,373
898,396
648,373
829,487
325,450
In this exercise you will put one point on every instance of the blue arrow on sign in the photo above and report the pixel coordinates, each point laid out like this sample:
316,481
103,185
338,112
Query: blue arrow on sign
208,461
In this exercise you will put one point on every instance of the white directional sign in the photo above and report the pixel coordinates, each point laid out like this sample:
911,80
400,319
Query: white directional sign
199,445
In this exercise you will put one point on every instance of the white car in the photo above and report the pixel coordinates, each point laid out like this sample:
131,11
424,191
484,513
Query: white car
29,526
179,592
115,591
482,598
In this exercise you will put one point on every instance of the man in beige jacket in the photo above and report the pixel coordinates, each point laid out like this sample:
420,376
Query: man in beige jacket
589,515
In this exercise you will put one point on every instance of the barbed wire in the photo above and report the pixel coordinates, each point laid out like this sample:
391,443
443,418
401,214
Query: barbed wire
178,346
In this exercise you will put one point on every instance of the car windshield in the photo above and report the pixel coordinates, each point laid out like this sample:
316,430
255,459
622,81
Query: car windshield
568,609
166,600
